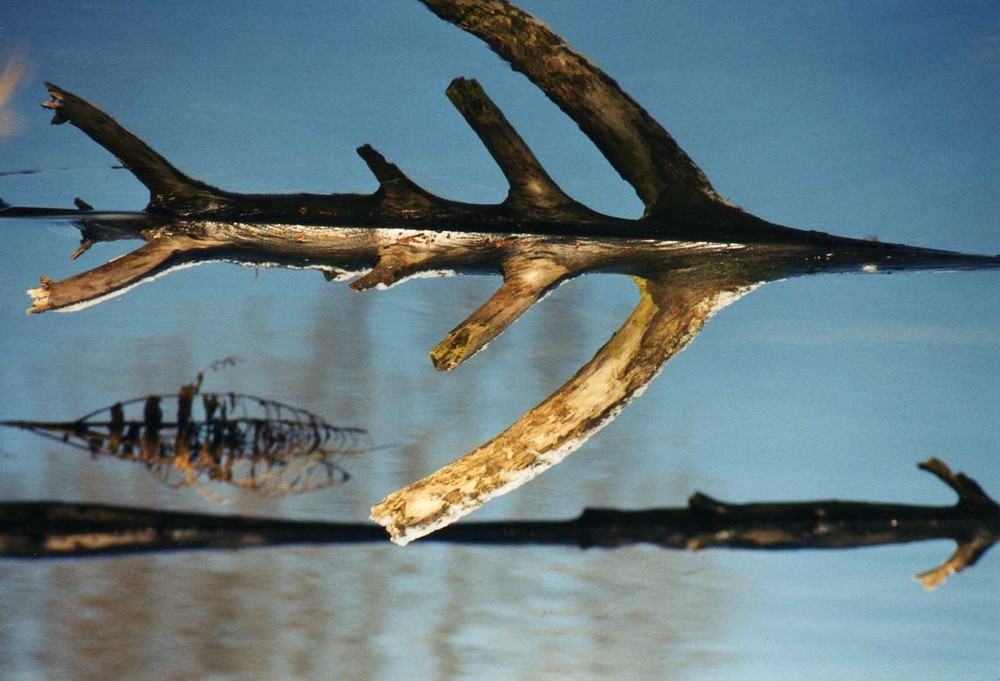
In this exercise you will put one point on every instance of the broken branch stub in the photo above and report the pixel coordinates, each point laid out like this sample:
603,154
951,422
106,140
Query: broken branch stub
48,529
530,186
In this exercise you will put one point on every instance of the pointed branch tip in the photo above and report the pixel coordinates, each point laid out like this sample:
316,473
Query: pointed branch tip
397,189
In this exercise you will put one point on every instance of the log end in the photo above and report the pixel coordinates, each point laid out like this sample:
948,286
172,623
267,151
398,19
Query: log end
41,298
456,348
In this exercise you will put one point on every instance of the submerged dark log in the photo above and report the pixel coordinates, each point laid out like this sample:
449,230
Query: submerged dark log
61,530
691,253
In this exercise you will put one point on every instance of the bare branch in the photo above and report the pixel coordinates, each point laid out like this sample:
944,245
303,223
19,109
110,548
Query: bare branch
525,281
690,254
638,147
48,529
671,311
117,276
530,185
168,187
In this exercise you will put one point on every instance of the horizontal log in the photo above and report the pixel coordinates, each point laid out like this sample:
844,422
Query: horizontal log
46,529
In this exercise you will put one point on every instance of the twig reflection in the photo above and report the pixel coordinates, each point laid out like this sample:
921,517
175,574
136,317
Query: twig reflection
244,441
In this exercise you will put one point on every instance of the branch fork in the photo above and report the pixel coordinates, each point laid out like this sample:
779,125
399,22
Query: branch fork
972,500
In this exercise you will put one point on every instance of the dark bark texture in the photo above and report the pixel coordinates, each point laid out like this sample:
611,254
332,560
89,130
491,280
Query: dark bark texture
61,530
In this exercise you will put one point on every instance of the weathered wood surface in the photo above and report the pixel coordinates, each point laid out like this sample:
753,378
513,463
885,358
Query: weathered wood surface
689,253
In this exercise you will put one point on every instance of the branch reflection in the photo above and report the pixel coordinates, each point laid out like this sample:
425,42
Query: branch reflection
196,439
56,530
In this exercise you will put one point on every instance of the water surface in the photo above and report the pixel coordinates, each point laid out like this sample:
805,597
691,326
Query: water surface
850,120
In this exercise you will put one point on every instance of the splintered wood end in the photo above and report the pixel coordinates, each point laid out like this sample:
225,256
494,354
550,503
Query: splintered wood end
118,275
965,556
41,298
525,281
57,98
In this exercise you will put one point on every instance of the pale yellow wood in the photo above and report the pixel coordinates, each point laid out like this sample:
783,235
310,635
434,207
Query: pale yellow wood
672,309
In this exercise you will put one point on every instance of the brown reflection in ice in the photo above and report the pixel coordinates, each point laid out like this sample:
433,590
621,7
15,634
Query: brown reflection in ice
302,615
559,615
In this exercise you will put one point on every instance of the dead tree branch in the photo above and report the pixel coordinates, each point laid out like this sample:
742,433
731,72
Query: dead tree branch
165,182
690,253
670,313
638,147
54,530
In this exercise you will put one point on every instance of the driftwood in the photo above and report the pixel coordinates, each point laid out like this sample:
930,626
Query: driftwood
213,439
60,530
691,252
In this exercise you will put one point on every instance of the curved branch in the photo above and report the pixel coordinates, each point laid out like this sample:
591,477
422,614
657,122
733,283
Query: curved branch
117,276
672,309
169,188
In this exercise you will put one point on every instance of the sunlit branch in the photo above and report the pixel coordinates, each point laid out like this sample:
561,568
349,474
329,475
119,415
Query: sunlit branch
671,311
